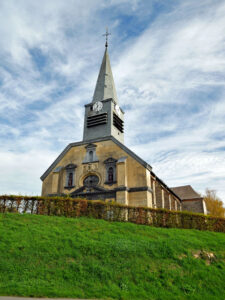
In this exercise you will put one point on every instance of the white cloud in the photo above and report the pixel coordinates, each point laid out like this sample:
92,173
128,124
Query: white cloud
169,76
179,55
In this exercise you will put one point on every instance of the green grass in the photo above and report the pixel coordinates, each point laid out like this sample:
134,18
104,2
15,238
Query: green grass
89,258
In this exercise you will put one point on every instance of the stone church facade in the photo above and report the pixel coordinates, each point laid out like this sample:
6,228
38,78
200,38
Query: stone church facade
101,166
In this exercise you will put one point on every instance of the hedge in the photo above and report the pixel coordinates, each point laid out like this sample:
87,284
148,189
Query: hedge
70,207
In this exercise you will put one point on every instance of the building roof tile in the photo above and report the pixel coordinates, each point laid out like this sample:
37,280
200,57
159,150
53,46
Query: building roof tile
185,192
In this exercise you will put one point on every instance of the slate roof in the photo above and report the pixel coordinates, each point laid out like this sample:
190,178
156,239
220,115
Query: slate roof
185,192
105,86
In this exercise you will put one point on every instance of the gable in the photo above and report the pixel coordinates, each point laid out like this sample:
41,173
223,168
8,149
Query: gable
124,148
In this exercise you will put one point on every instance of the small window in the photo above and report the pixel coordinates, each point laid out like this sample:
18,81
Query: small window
90,155
110,174
70,176
70,179
110,168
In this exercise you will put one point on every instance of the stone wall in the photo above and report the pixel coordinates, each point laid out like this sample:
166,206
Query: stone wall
153,184
193,205
158,193
166,200
173,204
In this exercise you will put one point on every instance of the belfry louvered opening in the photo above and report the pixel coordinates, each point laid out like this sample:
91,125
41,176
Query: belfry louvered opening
97,120
117,122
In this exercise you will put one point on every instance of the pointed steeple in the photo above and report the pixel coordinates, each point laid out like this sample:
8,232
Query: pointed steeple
103,116
105,86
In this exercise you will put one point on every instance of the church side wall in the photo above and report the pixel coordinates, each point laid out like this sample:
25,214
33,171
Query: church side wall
158,195
166,200
177,204
172,204
195,205
153,185
142,198
136,174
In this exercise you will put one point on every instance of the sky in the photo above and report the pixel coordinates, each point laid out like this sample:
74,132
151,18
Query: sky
168,62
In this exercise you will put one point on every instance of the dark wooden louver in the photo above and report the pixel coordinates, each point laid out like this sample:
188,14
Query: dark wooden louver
97,120
117,122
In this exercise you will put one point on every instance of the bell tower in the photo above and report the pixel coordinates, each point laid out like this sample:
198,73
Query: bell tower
103,116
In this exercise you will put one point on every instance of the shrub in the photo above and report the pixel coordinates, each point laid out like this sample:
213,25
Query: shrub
70,207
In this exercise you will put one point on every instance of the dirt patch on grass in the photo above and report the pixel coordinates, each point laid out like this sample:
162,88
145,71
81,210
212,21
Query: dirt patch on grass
207,256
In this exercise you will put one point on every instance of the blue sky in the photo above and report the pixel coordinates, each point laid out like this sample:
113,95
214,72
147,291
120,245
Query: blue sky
168,61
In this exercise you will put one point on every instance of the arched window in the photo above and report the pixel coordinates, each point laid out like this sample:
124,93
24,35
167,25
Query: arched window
110,174
110,168
70,176
91,155
70,179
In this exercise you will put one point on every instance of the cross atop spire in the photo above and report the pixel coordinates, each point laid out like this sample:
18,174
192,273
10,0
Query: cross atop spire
106,34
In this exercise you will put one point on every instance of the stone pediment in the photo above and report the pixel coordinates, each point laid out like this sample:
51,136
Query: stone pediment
110,160
85,190
70,166
89,146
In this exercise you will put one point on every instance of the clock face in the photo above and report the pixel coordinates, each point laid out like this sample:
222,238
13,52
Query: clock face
117,108
98,106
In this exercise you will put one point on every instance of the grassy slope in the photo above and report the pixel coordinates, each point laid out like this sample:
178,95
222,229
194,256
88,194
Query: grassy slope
57,256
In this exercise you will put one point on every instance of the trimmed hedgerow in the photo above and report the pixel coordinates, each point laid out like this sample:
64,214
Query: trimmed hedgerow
70,207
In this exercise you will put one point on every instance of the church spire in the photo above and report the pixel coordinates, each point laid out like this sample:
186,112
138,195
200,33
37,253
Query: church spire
105,86
103,116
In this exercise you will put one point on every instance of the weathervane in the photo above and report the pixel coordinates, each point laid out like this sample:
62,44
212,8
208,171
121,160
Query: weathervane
106,37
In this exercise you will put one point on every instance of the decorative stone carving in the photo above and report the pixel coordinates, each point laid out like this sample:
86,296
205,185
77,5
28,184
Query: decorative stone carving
70,166
90,167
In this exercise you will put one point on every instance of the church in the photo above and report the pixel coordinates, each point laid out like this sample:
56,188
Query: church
101,167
